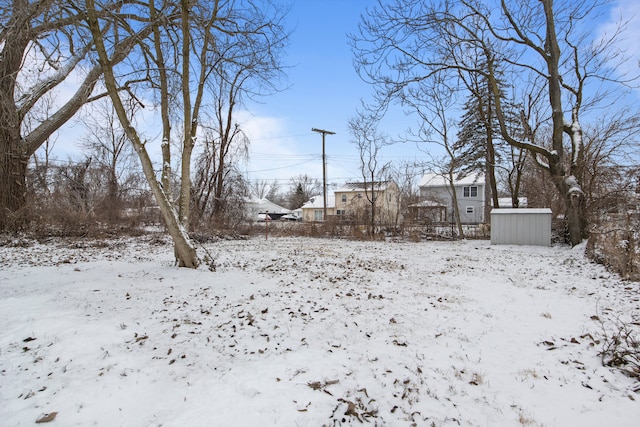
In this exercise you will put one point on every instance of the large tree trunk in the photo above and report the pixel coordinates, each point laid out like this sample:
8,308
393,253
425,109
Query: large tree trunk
13,161
17,147
575,217
568,185
13,170
573,207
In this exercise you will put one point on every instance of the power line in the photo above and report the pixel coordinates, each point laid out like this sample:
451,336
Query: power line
270,138
280,168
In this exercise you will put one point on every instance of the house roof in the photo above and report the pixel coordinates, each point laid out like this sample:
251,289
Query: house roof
439,180
506,202
265,205
427,204
317,202
352,187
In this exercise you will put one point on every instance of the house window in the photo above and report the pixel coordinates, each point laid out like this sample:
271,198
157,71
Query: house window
344,198
471,191
359,195
318,214
470,209
340,212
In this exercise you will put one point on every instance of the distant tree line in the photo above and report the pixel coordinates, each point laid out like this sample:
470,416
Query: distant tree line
521,93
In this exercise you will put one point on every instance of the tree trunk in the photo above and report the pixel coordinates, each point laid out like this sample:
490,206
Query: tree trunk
456,209
218,195
13,169
13,158
16,148
372,201
184,248
568,186
490,185
575,217
113,199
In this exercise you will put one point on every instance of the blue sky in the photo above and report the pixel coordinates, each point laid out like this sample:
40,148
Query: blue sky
326,91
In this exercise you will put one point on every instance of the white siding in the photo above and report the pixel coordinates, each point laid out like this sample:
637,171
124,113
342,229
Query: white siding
521,227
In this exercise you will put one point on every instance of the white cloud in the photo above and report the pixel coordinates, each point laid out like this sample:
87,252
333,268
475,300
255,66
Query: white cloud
277,151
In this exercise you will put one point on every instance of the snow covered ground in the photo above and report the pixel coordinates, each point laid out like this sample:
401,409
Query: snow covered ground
304,332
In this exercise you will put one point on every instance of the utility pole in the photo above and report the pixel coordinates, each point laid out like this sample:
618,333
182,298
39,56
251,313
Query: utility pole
324,169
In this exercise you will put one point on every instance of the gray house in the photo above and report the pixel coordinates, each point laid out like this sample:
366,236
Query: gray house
470,194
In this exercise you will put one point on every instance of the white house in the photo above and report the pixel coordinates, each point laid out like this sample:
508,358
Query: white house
313,210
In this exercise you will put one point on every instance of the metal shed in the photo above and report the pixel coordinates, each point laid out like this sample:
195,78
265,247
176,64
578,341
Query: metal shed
521,227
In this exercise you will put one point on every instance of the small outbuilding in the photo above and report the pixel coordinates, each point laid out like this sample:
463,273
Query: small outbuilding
521,227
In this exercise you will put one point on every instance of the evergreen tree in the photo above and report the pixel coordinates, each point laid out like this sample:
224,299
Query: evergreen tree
478,140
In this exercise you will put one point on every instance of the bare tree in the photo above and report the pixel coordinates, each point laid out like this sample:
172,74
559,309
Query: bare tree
188,40
369,141
610,160
43,44
243,67
107,143
208,193
406,174
260,188
75,180
301,189
403,43
175,219
275,194
216,193
433,102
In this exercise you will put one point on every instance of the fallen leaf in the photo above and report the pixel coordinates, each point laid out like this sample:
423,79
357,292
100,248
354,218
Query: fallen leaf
47,418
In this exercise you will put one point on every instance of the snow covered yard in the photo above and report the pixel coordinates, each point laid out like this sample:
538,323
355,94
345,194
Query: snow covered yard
304,332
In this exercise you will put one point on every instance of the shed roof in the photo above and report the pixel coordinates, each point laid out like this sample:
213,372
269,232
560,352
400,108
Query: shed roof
520,211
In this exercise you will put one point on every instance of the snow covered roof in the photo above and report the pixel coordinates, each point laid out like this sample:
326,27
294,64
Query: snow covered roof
439,180
521,211
317,202
428,204
506,202
351,187
265,205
